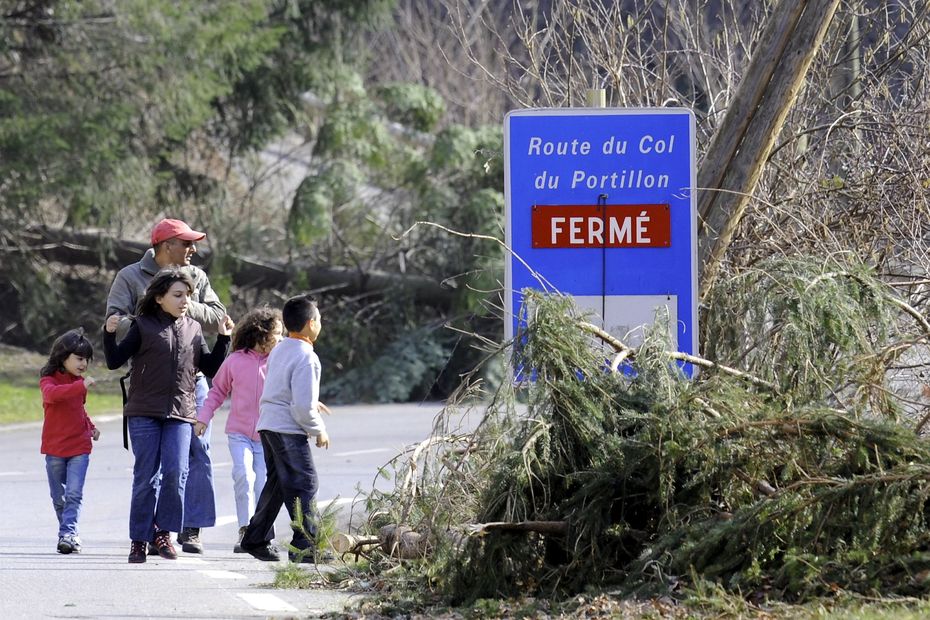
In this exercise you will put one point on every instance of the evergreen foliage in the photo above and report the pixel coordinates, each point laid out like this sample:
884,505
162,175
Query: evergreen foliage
412,105
405,370
668,483
113,115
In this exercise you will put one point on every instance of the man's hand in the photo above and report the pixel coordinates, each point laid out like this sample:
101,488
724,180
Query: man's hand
95,434
322,440
200,428
226,326
112,323
89,381
324,409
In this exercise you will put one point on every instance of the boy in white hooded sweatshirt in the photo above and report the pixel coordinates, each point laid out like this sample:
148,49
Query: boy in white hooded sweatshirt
289,414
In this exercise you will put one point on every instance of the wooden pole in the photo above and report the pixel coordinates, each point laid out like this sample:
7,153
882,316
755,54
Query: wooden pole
742,145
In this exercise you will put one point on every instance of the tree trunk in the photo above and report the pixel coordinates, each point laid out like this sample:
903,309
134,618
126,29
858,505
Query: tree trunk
97,249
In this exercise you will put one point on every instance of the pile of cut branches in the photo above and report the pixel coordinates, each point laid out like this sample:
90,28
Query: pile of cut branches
787,478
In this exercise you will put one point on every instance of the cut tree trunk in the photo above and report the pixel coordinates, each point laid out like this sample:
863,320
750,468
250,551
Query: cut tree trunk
400,541
349,543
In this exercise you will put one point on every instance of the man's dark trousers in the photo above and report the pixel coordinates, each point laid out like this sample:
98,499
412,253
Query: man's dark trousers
291,477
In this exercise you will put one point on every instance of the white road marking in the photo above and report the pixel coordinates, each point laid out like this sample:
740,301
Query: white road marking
338,502
266,602
221,574
183,559
358,452
12,473
226,520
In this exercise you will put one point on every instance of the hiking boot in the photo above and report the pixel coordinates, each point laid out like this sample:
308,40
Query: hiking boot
238,548
164,546
264,552
137,552
64,545
189,537
153,550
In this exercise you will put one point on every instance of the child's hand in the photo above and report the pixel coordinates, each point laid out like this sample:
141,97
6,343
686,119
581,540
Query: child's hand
95,434
89,381
200,428
322,440
324,409
226,326
112,323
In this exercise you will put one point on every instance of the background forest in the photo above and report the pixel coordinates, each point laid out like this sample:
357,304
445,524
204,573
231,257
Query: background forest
308,136
312,138
264,124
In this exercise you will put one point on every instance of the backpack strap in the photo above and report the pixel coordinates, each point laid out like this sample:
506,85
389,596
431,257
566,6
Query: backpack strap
122,387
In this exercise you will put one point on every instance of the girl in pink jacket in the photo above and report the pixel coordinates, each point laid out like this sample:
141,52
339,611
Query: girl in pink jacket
243,375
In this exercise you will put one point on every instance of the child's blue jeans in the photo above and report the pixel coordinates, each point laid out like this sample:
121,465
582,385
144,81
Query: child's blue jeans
291,477
66,483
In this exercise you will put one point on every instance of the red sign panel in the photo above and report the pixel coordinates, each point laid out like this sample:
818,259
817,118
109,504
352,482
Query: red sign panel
601,226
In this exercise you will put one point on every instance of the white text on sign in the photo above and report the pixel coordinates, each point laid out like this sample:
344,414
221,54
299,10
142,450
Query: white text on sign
601,226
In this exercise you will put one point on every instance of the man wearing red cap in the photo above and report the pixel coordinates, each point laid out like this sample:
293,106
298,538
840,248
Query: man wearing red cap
174,243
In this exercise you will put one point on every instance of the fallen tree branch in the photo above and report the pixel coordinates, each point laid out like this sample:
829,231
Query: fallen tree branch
626,351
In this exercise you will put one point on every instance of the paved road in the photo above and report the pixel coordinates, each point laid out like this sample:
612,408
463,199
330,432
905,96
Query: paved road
36,581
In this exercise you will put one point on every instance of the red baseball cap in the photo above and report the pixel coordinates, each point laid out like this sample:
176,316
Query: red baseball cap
169,229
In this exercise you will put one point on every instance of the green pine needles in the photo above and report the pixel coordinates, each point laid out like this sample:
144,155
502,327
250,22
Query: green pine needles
663,483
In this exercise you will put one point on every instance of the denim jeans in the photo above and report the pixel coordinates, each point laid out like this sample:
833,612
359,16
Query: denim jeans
199,500
291,477
158,444
66,483
248,473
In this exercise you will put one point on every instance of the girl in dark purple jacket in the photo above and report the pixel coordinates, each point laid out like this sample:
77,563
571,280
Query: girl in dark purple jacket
167,349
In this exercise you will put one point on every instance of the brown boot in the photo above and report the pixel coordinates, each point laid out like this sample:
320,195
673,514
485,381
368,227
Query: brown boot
137,552
164,546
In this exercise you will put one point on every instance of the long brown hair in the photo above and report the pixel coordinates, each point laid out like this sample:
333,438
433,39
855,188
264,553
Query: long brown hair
159,286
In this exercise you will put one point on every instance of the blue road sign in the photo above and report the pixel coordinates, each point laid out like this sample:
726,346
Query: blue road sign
601,205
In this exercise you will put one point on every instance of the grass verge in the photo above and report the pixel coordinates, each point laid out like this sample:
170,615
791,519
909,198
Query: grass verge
21,400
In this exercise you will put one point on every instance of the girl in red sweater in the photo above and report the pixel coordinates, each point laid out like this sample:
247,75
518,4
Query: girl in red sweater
67,431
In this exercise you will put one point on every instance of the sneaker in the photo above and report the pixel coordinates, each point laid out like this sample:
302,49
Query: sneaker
238,548
75,543
64,545
137,552
264,552
189,537
164,546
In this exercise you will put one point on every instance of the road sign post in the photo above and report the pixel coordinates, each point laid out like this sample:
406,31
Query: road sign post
600,202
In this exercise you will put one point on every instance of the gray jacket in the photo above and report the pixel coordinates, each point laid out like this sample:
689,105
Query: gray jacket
291,397
130,283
